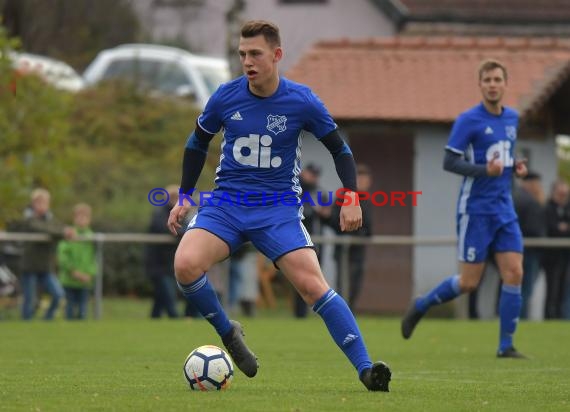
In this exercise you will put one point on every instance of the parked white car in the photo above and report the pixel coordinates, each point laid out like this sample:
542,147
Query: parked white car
164,69
55,72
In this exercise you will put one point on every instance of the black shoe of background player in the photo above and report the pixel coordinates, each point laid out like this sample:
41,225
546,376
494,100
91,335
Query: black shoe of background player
377,377
510,353
410,320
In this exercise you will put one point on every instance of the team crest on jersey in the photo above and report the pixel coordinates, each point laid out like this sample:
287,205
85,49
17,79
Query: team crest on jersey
276,123
511,132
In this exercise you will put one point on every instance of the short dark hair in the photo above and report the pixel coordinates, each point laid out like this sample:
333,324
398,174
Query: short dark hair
265,28
531,175
492,64
313,168
363,169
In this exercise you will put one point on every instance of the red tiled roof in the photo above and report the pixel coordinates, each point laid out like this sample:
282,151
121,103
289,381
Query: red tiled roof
481,10
429,78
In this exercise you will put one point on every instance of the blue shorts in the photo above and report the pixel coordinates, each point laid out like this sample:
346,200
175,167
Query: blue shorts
477,234
274,230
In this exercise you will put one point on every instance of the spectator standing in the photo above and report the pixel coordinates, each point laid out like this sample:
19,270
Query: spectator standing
160,261
77,265
529,201
556,260
38,258
356,253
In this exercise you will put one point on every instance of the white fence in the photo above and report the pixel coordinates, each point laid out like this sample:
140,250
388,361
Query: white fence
99,239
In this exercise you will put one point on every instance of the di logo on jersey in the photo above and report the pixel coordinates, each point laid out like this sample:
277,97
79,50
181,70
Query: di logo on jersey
255,150
511,132
502,151
276,124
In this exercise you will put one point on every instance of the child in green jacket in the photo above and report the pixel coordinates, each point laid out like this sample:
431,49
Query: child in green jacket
77,265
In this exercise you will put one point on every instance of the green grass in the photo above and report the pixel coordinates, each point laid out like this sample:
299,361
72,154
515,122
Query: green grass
132,363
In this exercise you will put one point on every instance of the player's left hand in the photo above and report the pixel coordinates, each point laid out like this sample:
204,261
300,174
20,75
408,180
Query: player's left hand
177,213
351,213
520,168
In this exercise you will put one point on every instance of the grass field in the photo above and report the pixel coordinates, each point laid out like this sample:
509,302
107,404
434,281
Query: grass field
136,364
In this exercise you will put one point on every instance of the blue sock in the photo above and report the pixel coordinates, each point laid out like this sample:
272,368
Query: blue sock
203,296
510,304
444,292
343,329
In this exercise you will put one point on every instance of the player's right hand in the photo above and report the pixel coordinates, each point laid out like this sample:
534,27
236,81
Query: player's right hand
177,214
495,167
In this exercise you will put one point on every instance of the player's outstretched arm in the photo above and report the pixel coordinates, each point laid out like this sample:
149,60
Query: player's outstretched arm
350,213
193,162
456,163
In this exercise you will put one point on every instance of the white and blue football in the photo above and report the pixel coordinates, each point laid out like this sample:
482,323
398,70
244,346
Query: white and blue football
208,368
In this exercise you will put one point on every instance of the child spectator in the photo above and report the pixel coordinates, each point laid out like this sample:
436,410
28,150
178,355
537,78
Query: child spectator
77,265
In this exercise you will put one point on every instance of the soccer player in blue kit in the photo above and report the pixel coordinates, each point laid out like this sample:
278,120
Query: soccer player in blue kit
262,116
480,148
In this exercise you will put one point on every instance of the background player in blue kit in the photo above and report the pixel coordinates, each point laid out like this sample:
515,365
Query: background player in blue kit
481,149
263,116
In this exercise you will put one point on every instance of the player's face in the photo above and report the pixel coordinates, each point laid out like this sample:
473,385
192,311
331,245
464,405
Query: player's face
493,85
259,60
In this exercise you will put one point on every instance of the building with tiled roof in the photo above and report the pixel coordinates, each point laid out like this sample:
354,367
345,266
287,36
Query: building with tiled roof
396,99
482,17
504,11
410,78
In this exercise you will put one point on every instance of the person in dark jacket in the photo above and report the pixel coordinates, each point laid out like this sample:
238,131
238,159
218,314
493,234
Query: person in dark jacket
38,258
529,200
160,261
309,179
356,253
556,260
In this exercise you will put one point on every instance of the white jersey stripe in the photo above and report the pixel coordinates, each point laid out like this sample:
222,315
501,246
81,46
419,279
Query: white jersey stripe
463,224
307,236
454,150
467,183
203,128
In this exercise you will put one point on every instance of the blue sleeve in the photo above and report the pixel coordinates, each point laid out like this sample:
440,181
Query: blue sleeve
461,135
319,121
211,118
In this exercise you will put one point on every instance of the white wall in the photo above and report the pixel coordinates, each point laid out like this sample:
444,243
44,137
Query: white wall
204,28
304,24
542,159
435,213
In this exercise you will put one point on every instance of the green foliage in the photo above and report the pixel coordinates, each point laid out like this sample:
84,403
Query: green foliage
34,130
126,144
107,146
124,271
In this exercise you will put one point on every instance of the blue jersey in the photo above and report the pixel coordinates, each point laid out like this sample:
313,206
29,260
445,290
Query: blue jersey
261,147
480,136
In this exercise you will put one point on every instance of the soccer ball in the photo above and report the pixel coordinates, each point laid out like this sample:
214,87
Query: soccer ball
208,368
